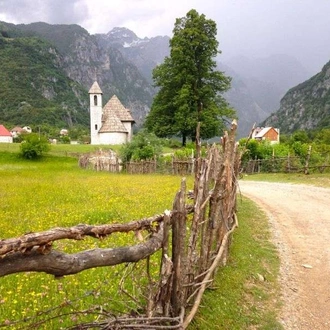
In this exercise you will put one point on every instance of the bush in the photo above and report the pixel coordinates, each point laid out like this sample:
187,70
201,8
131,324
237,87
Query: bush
143,146
173,143
33,146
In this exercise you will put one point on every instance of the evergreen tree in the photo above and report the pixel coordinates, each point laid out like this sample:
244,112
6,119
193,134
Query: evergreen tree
190,87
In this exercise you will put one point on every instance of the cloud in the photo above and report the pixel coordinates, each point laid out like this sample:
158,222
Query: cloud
49,11
250,27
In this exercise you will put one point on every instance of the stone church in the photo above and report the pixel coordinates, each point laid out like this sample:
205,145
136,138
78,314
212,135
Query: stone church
111,124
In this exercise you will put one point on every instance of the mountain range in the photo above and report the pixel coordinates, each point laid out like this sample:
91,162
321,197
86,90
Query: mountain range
46,71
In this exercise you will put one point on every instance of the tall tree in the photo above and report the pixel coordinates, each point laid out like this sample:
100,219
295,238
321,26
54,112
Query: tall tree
190,87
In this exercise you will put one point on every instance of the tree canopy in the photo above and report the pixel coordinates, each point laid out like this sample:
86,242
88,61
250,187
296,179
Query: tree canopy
190,87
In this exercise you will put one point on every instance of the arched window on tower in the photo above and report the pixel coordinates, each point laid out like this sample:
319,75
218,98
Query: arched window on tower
95,127
95,99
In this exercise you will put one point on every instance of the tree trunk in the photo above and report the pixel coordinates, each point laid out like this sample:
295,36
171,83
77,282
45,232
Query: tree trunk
184,139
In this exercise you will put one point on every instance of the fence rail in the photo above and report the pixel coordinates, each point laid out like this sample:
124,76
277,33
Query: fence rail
289,164
108,161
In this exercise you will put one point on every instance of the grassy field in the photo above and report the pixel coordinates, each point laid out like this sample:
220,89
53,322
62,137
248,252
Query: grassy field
53,192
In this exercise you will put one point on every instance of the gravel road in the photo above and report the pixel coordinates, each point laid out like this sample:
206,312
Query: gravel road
299,216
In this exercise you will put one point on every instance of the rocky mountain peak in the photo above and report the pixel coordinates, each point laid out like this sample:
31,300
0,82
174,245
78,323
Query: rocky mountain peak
122,36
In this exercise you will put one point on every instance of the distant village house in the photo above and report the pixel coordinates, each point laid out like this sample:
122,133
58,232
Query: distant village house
112,124
266,133
17,130
5,135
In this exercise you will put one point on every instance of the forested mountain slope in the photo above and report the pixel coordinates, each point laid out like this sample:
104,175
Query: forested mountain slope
81,61
306,106
33,86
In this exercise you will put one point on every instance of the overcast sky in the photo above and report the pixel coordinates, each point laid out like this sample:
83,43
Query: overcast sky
256,28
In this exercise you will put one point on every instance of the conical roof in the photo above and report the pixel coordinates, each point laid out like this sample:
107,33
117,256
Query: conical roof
115,106
95,89
111,123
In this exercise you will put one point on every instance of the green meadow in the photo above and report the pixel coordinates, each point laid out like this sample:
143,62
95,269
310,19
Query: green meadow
55,192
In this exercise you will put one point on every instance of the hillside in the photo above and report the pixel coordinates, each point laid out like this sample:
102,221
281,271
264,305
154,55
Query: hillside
82,61
34,89
306,106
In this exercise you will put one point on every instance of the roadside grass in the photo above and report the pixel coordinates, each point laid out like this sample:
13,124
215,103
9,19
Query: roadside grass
315,179
246,293
53,192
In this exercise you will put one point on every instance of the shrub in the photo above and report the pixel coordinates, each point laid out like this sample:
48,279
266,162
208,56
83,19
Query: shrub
143,146
33,146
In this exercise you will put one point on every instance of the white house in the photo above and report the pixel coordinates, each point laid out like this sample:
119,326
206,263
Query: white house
112,124
5,135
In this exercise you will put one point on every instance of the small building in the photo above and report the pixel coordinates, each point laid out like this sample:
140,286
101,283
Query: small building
27,129
266,133
5,135
111,124
17,130
64,132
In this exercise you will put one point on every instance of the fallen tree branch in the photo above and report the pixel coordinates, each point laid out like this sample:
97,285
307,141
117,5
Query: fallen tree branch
26,242
60,264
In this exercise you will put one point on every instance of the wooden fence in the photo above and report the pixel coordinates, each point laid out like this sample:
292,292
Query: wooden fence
289,164
108,161
194,240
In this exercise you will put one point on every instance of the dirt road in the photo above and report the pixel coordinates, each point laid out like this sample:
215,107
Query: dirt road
300,219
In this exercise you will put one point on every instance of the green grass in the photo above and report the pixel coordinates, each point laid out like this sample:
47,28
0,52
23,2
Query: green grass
316,179
241,299
53,191
61,149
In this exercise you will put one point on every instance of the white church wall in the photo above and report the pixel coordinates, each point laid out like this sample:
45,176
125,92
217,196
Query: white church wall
128,126
113,138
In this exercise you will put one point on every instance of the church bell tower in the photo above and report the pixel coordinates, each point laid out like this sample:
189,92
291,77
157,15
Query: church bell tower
95,99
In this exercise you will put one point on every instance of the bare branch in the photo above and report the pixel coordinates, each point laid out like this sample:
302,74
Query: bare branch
28,241
60,264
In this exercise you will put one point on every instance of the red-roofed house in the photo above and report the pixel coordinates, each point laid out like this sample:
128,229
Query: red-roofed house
266,133
5,136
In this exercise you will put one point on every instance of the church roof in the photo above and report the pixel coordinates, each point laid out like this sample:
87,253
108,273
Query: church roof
95,89
115,106
111,123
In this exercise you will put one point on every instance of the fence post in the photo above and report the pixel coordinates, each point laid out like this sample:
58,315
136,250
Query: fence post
307,159
178,249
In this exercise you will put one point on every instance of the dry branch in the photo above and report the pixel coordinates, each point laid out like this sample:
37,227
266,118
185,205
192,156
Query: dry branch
43,239
60,264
